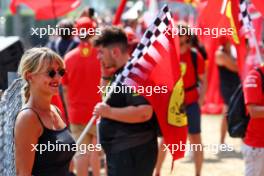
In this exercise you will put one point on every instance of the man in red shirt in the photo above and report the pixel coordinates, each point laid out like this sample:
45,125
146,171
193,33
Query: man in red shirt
193,70
253,148
80,85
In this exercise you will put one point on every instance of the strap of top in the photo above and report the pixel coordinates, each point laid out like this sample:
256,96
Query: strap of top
58,111
35,113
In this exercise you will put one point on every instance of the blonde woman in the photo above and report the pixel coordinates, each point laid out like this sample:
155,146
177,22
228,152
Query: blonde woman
40,132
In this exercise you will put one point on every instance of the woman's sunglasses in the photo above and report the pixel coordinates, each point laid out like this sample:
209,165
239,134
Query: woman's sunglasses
52,73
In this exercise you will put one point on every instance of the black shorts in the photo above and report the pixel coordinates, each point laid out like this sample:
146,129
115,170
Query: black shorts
194,118
136,161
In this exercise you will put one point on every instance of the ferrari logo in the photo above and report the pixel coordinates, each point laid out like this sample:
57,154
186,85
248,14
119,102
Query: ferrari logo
85,52
176,112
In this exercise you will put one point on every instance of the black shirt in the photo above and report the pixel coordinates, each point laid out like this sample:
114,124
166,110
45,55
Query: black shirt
228,78
54,161
117,136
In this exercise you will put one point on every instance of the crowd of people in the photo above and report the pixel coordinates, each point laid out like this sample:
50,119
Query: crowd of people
70,69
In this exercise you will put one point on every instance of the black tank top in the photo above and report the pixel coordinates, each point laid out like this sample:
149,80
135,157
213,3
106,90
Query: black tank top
228,78
56,159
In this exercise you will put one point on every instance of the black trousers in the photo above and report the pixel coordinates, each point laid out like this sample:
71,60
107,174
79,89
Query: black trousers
136,161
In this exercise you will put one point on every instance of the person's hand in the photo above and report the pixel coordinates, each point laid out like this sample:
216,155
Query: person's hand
219,61
102,109
221,58
201,101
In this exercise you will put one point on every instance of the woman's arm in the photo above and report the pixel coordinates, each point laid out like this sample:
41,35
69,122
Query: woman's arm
27,131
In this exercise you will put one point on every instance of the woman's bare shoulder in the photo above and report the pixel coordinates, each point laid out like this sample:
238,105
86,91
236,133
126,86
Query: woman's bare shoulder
28,122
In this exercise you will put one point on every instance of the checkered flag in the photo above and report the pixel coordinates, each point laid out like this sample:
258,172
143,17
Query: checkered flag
154,64
147,53
244,17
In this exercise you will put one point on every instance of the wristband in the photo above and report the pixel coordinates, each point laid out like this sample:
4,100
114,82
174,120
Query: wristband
106,78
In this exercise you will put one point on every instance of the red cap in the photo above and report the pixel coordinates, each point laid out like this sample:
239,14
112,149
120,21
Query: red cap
85,22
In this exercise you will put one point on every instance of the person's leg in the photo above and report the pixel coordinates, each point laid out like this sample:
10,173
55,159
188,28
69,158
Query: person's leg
81,158
120,163
105,162
161,157
145,158
198,153
71,169
261,162
223,126
136,161
194,129
81,164
254,160
95,159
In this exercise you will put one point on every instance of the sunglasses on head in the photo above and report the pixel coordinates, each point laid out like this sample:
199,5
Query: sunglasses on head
52,73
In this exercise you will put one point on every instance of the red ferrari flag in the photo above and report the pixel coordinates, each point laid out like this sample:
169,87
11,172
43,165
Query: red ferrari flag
47,9
259,5
230,14
155,66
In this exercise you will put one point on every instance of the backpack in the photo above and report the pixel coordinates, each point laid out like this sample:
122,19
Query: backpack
10,105
237,116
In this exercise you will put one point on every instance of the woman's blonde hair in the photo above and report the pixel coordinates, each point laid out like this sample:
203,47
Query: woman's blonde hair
33,61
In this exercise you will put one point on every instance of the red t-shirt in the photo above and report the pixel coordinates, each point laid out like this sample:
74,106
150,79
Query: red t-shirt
81,79
253,94
189,77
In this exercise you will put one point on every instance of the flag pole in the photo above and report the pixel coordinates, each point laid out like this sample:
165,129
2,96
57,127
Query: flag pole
90,123
86,129
223,7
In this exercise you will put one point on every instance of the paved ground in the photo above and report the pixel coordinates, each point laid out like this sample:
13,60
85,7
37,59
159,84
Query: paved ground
222,164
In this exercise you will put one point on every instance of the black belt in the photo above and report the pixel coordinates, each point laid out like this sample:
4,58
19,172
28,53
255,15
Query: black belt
191,88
